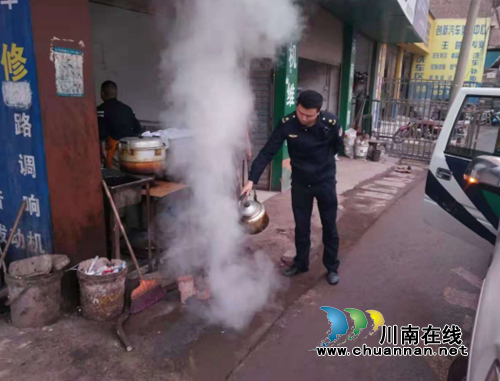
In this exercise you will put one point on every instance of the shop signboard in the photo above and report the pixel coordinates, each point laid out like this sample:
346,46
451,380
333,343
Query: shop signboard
446,40
286,77
22,157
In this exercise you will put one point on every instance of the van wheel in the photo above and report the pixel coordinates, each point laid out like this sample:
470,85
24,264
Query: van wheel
458,369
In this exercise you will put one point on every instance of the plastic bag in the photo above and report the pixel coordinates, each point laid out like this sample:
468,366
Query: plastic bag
361,148
349,141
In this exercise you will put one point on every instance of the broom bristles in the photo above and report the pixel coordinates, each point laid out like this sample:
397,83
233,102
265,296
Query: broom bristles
146,299
144,286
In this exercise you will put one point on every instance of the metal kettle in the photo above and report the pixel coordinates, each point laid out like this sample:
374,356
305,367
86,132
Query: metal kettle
253,215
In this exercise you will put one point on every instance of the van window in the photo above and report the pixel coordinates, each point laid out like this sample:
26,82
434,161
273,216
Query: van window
477,128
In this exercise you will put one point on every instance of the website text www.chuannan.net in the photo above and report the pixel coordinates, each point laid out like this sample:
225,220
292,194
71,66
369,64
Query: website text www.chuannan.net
365,350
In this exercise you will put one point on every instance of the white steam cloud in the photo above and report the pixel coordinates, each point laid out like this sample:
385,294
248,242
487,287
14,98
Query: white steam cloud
209,51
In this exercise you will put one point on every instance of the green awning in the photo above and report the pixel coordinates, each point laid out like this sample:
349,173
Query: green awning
380,20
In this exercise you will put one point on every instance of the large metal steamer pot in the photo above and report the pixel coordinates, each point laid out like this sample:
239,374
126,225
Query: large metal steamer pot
142,156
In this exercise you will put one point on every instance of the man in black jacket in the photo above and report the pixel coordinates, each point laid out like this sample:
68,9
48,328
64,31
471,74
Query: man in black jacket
116,121
313,137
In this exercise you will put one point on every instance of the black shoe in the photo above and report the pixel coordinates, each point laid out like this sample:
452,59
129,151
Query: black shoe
332,277
294,270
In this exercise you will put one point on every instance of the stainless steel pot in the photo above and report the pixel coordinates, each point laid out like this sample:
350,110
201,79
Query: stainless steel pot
143,156
253,215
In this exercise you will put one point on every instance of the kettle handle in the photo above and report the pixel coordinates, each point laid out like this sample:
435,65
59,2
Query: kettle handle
242,197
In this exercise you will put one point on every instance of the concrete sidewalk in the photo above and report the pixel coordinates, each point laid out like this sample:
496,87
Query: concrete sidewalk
350,172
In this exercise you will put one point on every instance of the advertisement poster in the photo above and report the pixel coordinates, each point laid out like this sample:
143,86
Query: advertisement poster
445,42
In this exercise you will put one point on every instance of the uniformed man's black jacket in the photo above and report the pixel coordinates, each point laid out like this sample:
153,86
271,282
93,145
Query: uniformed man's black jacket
312,150
117,120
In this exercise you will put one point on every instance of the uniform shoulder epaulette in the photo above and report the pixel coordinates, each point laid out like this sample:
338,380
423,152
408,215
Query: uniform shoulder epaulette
329,118
288,117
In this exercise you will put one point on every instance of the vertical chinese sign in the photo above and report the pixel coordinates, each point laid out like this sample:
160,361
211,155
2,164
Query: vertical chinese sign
446,41
291,78
285,99
22,157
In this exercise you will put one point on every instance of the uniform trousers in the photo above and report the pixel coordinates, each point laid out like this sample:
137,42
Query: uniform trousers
303,196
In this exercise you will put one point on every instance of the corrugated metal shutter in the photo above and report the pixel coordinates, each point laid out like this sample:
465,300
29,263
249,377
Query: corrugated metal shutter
323,78
261,78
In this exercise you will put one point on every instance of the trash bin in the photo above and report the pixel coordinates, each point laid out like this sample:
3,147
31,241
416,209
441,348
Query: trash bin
376,155
34,301
101,296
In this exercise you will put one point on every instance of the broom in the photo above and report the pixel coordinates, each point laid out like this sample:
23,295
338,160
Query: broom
149,291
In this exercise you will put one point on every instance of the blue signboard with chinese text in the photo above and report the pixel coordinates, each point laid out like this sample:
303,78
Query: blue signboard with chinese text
22,155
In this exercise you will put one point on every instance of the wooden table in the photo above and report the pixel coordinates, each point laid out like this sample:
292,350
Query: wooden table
158,192
162,189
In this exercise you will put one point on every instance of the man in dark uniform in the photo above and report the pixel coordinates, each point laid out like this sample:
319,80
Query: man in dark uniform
116,121
314,137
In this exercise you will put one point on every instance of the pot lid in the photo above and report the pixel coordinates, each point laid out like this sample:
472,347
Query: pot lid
250,208
146,142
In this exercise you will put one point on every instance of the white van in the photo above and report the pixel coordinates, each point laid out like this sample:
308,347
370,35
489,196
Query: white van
471,129
462,197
